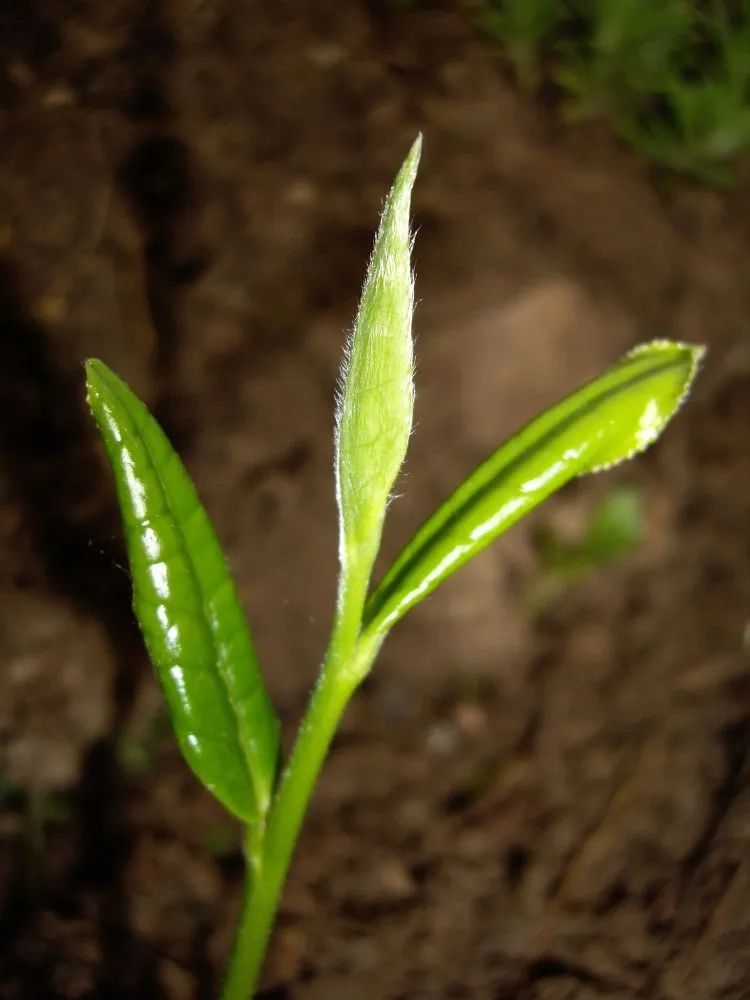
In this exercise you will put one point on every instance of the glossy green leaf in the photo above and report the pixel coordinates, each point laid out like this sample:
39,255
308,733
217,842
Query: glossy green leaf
376,399
608,420
187,606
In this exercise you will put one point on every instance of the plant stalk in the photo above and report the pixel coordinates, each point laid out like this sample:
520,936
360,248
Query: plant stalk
347,661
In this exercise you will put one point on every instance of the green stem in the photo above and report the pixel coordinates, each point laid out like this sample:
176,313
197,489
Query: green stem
347,662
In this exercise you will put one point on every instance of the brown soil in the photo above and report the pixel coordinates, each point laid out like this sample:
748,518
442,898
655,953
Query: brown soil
539,807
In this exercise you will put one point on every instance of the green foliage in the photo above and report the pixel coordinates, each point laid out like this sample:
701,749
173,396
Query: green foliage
523,27
704,120
631,51
672,78
187,605
613,530
707,126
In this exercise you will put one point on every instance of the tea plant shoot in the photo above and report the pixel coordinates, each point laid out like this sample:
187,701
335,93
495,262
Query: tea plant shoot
186,603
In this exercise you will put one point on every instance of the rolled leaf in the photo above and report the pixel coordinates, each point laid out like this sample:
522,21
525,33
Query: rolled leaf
376,396
607,421
187,606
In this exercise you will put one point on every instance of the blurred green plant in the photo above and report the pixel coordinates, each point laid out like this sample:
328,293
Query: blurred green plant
703,124
614,529
631,50
672,78
523,27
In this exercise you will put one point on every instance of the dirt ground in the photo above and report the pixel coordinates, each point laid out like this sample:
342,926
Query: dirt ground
540,807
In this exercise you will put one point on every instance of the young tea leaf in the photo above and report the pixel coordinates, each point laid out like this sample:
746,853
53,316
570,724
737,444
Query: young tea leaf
187,606
376,398
608,420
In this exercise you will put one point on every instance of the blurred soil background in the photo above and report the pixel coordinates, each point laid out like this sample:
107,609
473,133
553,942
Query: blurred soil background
542,792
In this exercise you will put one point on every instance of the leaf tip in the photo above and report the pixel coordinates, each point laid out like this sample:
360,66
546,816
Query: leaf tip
91,366
685,362
679,350
414,155
94,372
98,376
400,196
666,370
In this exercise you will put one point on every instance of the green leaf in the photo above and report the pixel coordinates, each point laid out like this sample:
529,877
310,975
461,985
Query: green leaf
615,527
376,399
187,606
607,421
632,51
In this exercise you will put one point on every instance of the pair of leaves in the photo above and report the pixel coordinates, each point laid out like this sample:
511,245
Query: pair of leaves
183,595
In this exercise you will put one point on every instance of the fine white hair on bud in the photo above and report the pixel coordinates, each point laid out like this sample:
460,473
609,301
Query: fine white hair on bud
375,399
